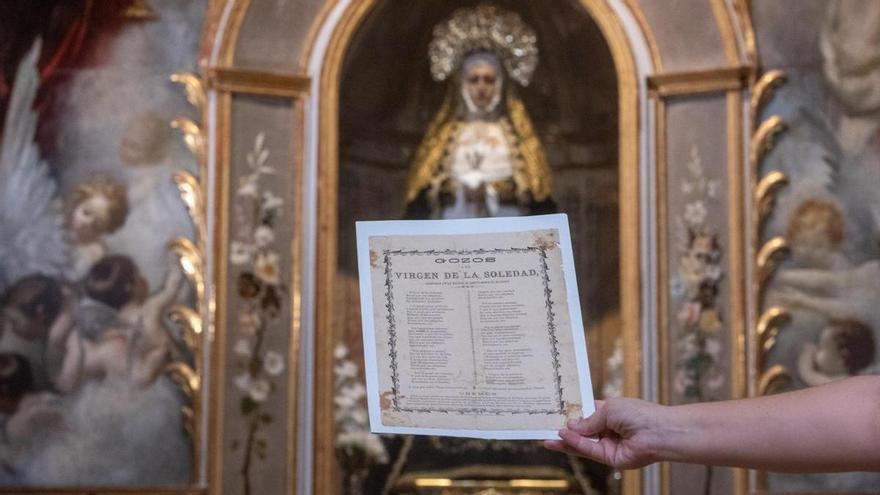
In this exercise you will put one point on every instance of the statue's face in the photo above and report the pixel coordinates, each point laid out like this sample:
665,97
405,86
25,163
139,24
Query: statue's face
482,83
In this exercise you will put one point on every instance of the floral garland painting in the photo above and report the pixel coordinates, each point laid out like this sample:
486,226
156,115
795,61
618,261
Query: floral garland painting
695,288
260,289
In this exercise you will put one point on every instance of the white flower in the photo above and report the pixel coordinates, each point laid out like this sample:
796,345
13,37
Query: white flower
713,348
344,401
340,352
681,382
358,391
677,288
259,389
346,369
273,363
271,202
363,441
243,348
240,253
267,269
248,323
687,187
712,187
712,272
695,213
247,186
243,382
264,236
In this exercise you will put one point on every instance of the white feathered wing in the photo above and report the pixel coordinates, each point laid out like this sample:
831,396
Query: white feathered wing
31,218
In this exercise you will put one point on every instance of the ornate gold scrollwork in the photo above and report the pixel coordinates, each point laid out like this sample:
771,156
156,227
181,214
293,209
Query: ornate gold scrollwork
191,324
769,325
764,139
193,136
191,262
773,380
194,87
763,90
765,196
192,255
769,254
769,257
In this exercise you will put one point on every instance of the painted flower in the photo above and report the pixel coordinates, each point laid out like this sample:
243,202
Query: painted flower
243,382
243,348
264,235
687,187
248,285
345,401
271,202
358,391
689,313
681,382
713,272
710,320
247,186
677,287
248,323
273,363
712,188
689,345
715,381
369,445
240,253
340,351
267,268
713,348
695,213
346,369
259,389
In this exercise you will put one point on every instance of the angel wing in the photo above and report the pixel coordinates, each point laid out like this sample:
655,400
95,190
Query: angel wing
31,220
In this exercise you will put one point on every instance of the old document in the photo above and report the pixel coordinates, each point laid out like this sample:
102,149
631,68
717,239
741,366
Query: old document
472,327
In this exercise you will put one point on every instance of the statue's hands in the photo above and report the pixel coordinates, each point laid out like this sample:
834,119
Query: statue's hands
627,430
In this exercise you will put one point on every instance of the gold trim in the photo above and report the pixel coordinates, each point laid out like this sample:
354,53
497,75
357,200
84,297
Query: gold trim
776,376
764,89
662,298
726,29
741,11
768,258
765,196
24,490
737,261
266,83
768,327
218,343
194,88
226,55
703,81
296,247
327,190
192,137
645,28
763,141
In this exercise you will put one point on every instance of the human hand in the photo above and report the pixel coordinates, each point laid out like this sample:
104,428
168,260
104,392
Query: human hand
626,429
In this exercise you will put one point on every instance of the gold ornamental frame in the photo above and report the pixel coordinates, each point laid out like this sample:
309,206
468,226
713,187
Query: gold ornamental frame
328,167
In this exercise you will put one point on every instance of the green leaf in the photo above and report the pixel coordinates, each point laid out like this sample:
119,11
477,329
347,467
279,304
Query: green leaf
248,405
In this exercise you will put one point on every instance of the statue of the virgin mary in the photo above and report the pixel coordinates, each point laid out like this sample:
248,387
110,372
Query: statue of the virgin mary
480,156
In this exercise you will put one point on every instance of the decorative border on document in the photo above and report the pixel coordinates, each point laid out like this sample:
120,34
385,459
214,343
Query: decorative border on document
392,327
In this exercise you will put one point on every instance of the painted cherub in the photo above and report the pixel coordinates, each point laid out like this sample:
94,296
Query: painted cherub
97,208
846,347
825,282
815,233
119,329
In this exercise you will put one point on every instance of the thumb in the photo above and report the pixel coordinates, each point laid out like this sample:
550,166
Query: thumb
593,424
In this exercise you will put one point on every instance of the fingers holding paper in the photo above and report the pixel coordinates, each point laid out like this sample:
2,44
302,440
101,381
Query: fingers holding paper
618,434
